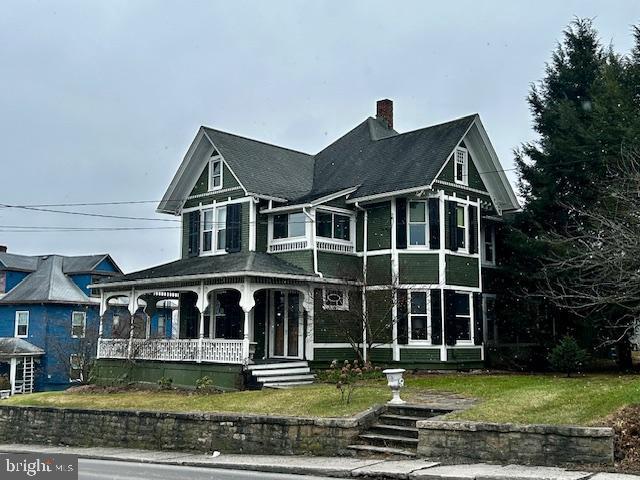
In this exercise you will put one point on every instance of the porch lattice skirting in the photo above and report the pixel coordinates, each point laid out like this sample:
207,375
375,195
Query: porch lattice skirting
174,350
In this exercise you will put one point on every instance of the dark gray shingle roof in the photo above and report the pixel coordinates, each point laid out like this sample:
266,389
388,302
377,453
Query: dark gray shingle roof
24,263
264,168
10,347
48,284
231,263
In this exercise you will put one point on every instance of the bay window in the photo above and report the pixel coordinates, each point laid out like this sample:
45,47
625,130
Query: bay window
289,225
419,329
214,225
333,225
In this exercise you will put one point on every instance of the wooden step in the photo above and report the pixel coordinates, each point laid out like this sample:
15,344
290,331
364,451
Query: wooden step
373,450
281,371
382,429
285,378
273,366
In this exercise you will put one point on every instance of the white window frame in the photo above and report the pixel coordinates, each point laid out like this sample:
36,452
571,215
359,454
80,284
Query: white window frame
286,239
213,160
426,225
485,297
215,228
71,364
465,207
333,223
461,156
18,313
411,340
471,319
345,299
492,241
84,323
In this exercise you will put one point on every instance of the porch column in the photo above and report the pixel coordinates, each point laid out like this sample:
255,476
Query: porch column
307,305
245,337
132,311
12,374
202,305
247,302
103,310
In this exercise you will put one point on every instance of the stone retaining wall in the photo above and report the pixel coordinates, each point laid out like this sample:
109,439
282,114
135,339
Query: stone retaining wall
197,432
508,443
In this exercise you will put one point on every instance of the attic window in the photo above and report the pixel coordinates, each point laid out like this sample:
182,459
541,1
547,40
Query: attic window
215,174
461,165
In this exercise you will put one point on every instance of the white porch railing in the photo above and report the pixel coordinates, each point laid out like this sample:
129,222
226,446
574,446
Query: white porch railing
287,246
176,350
338,247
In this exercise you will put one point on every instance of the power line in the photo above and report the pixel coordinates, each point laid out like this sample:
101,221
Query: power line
87,214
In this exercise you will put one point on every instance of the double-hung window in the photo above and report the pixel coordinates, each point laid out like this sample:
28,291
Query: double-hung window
289,225
489,245
214,225
215,174
78,324
461,166
418,225
461,225
333,225
462,305
75,368
22,324
419,328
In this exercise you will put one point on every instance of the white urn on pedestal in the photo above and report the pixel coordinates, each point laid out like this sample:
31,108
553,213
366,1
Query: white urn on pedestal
395,382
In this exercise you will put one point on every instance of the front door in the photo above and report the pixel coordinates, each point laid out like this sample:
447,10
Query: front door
285,329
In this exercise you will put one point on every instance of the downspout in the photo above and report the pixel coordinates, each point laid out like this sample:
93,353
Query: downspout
364,280
313,241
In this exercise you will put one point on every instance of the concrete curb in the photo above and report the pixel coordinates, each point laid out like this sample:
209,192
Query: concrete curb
339,467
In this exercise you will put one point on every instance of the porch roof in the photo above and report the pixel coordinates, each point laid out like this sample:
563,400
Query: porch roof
242,263
17,347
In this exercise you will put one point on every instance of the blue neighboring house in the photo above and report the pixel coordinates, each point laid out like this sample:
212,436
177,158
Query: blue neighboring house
49,318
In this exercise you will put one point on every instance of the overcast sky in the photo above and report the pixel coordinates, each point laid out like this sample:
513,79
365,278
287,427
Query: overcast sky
100,100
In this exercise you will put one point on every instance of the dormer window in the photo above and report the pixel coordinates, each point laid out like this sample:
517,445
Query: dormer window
461,166
215,174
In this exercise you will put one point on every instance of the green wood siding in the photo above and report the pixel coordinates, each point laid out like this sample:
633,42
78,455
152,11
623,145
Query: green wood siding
244,235
322,357
379,270
202,184
379,314
340,265
464,354
419,355
262,232
301,258
462,271
475,181
418,267
381,355
185,236
379,226
360,231
336,326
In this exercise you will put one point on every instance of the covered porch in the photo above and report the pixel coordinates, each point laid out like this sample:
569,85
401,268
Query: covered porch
17,361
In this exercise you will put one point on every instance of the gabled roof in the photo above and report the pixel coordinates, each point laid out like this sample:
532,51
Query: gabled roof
372,157
241,263
70,265
48,284
15,347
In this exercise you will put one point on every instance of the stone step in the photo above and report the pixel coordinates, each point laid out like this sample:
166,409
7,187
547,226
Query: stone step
382,429
281,371
276,365
286,384
402,420
285,378
374,450
419,411
396,441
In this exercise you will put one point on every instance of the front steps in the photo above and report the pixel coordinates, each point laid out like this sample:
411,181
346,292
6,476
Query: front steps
282,374
395,433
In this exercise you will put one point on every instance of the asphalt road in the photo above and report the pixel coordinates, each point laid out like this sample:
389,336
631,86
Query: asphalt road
110,470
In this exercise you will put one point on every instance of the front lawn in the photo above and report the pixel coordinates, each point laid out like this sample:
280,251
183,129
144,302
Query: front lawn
502,398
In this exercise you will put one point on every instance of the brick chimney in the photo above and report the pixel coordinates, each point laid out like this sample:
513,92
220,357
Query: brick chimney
384,112
3,248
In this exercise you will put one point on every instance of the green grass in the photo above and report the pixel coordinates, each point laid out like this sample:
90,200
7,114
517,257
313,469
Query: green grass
502,398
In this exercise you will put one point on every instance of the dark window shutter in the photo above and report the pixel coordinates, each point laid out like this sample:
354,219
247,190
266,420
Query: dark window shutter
403,317
194,233
452,238
473,233
436,317
434,223
450,317
401,223
233,227
478,319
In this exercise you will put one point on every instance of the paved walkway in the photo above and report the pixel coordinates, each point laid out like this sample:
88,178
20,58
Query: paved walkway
341,467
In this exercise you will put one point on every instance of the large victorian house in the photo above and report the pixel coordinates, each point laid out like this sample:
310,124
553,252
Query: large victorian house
383,239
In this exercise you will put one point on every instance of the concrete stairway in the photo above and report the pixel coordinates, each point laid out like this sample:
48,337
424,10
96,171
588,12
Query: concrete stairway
395,433
282,374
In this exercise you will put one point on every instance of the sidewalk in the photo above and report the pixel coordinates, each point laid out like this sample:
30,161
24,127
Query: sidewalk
341,467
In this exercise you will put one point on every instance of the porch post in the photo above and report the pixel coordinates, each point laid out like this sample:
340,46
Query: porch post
103,310
247,302
202,306
245,337
132,311
12,374
307,305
